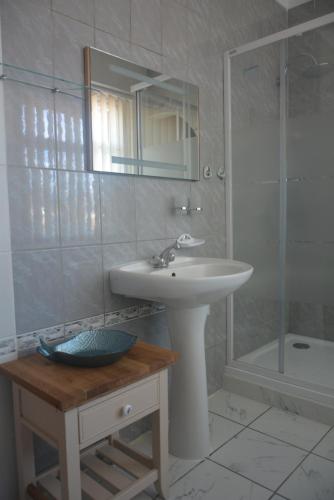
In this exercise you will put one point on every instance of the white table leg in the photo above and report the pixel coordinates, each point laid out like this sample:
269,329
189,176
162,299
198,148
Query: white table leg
69,457
114,436
160,437
24,449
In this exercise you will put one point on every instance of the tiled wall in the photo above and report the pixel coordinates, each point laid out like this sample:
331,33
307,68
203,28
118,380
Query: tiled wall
69,226
7,320
309,10
7,324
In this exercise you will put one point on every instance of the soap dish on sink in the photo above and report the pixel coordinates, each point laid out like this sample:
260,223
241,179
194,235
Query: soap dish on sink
90,348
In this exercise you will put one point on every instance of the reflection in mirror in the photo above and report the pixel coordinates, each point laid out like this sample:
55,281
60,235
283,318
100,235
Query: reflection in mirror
139,121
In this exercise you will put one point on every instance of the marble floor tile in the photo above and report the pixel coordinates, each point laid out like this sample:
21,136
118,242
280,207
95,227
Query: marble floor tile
292,428
209,481
245,459
260,458
178,467
313,480
326,446
221,430
238,408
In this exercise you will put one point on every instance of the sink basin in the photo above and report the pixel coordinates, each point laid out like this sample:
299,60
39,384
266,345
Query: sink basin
187,287
187,282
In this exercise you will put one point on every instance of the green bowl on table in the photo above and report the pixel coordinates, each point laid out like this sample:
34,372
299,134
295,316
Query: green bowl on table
91,348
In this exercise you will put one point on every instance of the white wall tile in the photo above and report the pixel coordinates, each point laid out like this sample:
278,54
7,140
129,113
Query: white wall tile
174,33
2,116
38,289
83,282
69,38
113,16
27,26
7,312
7,321
33,205
81,10
146,24
4,212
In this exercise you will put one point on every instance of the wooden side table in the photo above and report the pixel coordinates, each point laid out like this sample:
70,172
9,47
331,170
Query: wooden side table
80,411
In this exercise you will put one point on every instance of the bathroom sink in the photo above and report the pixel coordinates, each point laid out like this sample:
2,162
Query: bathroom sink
187,282
187,286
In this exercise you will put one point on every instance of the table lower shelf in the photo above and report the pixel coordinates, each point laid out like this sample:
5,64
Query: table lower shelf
114,471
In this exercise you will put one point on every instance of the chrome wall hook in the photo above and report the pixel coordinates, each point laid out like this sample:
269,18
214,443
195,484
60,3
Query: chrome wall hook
221,173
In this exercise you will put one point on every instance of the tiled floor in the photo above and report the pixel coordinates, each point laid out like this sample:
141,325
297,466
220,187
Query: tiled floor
258,453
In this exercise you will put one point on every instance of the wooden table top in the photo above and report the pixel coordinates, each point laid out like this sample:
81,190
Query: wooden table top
67,387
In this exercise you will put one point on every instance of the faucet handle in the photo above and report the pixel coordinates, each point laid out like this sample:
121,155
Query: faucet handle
157,261
172,256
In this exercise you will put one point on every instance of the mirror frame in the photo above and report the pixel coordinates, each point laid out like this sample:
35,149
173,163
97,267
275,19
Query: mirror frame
88,121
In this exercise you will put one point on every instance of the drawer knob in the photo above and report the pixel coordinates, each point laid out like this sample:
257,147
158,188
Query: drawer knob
126,410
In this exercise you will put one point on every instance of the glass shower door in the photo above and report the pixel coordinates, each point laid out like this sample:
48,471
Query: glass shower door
309,342
256,128
279,108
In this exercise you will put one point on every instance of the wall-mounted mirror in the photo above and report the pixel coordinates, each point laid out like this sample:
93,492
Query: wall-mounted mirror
139,121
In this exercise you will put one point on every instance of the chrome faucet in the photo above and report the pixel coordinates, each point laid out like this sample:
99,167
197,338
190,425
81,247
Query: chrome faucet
166,256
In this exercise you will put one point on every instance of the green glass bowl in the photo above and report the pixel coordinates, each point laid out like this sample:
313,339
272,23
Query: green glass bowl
89,348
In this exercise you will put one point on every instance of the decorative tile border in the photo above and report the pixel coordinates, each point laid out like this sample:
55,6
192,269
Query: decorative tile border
27,342
8,350
133,312
117,317
151,308
83,324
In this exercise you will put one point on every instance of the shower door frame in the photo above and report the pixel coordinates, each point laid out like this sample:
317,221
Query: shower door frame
240,369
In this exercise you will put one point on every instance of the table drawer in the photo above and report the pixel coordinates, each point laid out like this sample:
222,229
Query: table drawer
107,416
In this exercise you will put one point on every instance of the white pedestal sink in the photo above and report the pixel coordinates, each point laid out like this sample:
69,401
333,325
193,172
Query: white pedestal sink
187,287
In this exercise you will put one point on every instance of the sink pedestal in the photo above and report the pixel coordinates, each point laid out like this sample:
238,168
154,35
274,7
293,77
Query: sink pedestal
184,286
189,423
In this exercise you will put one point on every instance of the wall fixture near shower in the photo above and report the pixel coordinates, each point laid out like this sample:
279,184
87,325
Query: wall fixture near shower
188,208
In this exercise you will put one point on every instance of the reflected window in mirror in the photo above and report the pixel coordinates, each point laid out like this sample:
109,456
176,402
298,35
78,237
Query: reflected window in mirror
113,133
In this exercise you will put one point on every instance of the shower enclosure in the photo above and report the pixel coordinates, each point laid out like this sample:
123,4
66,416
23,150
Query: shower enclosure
279,135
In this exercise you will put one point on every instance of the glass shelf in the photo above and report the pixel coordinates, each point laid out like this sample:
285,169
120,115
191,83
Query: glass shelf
121,160
11,73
